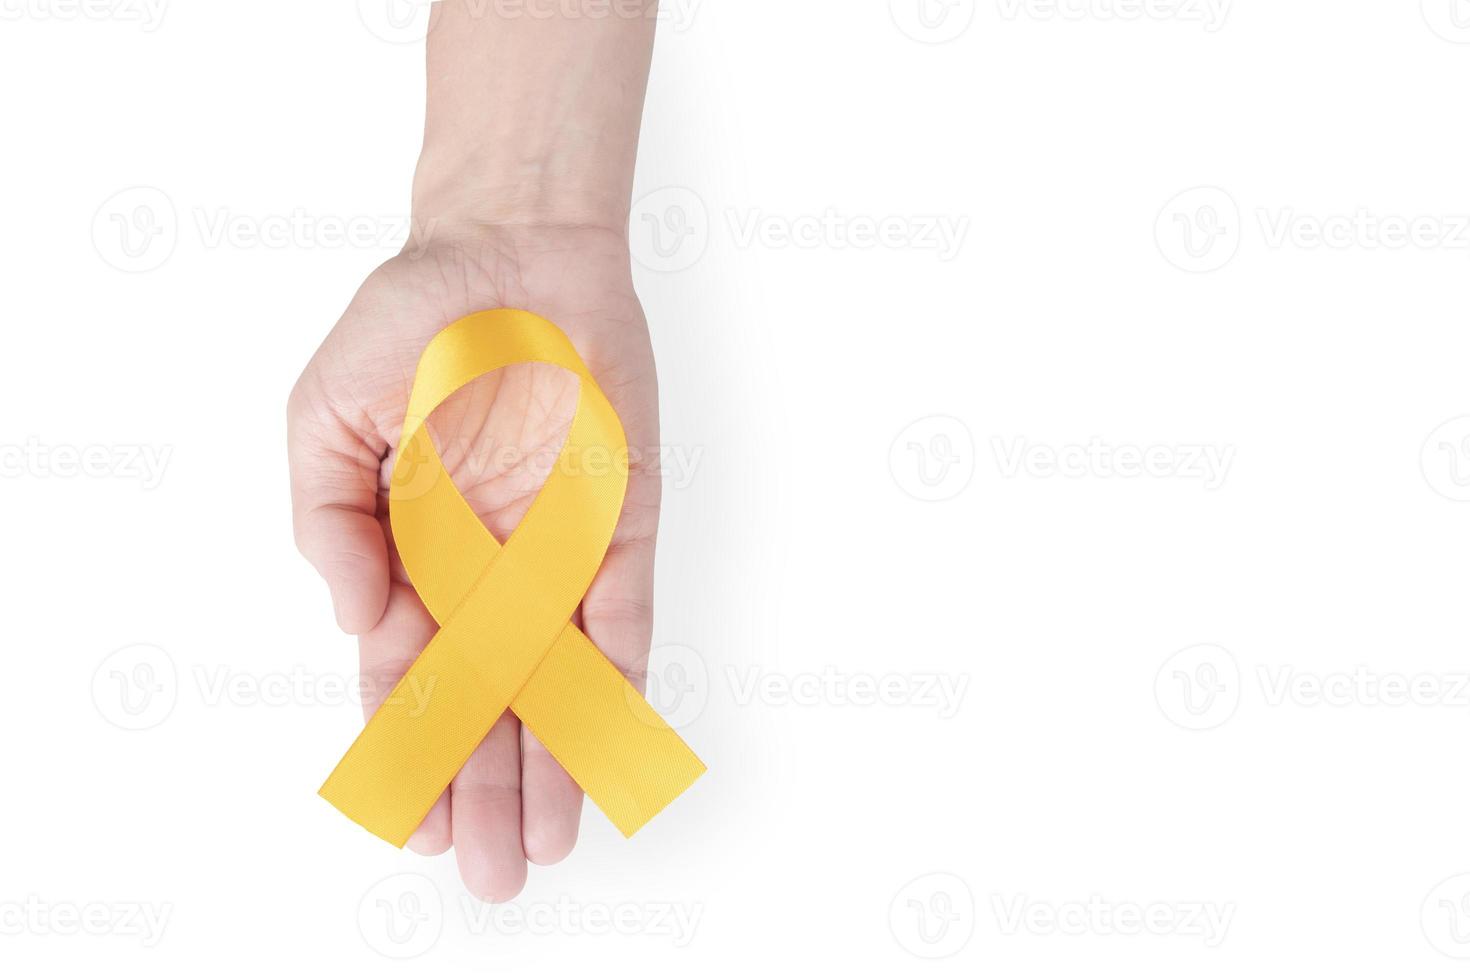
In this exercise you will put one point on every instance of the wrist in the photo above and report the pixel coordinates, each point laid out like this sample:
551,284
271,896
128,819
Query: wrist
532,120
472,240
462,189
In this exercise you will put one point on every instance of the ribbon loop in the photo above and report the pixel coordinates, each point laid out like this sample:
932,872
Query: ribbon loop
505,639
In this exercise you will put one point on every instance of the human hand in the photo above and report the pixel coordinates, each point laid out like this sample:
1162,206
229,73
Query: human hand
512,802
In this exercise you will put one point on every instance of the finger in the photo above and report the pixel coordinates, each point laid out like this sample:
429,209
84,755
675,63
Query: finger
334,480
617,611
485,807
551,801
551,805
617,616
386,652
434,835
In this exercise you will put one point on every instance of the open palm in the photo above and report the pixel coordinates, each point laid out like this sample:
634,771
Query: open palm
499,438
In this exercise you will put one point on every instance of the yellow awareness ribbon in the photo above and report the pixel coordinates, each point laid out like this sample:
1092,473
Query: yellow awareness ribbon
505,639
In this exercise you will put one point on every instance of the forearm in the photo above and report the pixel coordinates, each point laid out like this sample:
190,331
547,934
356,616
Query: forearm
533,112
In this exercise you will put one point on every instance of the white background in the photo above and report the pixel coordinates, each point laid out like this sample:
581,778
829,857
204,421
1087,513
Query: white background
1208,722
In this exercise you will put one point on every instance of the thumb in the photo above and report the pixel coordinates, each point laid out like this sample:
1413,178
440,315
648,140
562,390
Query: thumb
334,500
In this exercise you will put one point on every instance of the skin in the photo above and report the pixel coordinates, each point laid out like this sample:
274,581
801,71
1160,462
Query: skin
522,188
